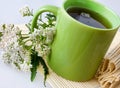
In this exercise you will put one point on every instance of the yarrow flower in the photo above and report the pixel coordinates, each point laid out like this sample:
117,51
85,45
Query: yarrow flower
25,11
15,54
50,32
25,51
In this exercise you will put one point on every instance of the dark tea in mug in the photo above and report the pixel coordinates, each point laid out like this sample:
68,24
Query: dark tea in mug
86,16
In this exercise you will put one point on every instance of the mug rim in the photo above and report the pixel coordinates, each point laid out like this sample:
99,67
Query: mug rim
100,6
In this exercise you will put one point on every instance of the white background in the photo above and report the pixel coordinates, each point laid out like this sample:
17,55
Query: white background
9,13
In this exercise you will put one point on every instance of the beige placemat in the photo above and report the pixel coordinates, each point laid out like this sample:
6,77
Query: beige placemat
58,82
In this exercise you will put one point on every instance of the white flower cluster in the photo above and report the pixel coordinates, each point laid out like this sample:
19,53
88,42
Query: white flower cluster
42,39
17,46
9,32
14,54
25,11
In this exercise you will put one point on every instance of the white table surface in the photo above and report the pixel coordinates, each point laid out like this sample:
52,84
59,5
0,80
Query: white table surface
9,13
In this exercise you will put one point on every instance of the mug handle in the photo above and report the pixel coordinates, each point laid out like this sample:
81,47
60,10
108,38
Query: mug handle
47,8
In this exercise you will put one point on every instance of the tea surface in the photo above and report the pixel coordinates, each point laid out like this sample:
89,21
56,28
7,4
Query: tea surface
86,17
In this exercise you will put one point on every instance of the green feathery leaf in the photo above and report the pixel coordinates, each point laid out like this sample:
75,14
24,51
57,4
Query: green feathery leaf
35,64
46,71
1,35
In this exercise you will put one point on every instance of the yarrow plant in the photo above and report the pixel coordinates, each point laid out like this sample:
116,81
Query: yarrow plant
25,51
25,11
14,54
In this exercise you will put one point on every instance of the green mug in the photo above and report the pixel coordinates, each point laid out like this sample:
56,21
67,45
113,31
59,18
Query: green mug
78,49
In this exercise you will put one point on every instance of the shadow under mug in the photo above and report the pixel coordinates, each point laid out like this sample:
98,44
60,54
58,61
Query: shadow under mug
78,49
